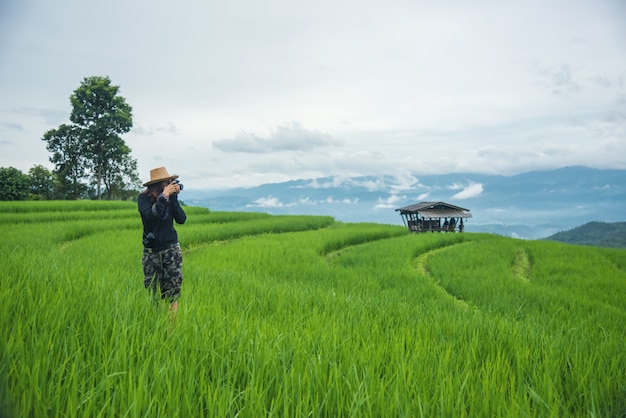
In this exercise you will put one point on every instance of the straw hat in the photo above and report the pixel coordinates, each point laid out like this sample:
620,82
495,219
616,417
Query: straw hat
159,174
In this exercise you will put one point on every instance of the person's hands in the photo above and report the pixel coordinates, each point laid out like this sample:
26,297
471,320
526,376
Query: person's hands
170,189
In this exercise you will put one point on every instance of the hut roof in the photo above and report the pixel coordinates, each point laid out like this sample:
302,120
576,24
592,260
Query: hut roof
435,210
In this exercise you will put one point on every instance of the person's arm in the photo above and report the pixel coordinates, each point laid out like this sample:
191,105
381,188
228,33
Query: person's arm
153,211
177,210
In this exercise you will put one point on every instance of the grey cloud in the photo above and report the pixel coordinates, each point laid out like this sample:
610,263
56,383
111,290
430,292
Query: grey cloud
287,137
559,81
604,81
152,130
5,127
50,116
621,93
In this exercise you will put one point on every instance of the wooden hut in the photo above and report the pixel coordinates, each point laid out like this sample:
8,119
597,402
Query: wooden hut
434,216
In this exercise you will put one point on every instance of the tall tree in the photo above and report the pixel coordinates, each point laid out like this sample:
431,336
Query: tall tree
92,148
102,115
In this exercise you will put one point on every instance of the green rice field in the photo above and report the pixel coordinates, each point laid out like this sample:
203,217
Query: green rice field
303,316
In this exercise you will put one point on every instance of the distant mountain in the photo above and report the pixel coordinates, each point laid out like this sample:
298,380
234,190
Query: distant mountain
530,205
601,234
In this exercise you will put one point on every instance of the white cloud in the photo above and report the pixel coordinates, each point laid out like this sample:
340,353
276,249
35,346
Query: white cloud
469,191
400,88
393,184
266,202
389,202
307,201
273,202
456,186
334,182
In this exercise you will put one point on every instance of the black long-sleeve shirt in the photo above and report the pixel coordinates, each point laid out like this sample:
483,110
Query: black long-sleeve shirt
158,220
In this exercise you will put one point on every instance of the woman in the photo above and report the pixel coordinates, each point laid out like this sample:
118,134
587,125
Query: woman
162,258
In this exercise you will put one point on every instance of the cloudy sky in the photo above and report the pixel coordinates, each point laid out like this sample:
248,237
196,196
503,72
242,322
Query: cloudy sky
245,92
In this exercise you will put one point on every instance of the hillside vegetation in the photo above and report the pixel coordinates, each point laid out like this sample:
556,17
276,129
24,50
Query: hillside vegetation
293,316
601,234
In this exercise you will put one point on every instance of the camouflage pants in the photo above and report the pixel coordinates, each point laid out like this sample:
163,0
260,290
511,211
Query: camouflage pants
163,269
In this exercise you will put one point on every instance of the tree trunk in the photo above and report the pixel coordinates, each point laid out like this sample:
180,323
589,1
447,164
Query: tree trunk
99,193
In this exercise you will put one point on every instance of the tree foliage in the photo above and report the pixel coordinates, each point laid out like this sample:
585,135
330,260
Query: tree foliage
14,184
66,147
41,183
90,152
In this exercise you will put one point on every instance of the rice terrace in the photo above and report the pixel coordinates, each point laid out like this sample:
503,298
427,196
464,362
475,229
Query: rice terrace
304,316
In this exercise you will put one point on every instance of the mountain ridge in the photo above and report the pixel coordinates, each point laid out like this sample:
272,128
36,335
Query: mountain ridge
599,234
529,205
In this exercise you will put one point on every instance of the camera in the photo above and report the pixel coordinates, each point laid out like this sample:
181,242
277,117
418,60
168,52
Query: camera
179,184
